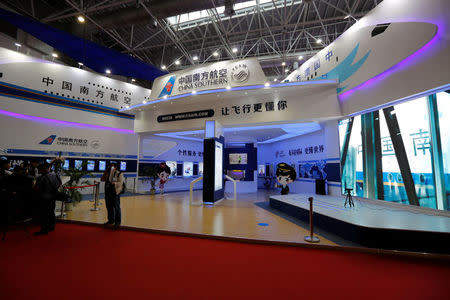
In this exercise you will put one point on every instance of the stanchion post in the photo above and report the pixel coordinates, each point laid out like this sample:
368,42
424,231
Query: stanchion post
311,238
96,188
93,195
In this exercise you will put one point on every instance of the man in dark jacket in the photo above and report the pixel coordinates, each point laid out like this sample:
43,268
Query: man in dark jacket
46,188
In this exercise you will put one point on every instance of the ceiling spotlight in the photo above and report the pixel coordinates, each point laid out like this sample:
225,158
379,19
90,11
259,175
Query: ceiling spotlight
235,50
144,101
165,97
300,57
229,10
266,84
283,63
194,92
215,53
195,57
54,55
18,45
108,71
275,79
228,87
177,62
346,17
287,70
163,67
127,107
81,19
133,80
80,64
318,41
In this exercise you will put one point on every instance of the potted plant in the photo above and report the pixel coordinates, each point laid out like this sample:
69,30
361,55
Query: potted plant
75,179
150,174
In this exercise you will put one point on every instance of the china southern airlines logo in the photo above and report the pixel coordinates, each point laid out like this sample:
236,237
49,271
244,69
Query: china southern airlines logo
49,140
167,90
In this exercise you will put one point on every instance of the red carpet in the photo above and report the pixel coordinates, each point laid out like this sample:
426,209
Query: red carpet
84,262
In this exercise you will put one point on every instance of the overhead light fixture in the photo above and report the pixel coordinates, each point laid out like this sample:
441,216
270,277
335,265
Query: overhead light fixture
300,57
108,71
194,92
346,17
215,53
195,57
18,45
81,19
80,64
133,80
127,107
144,101
163,67
177,62
283,63
228,87
235,50
165,96
54,55
266,84
229,10
287,70
318,41
275,79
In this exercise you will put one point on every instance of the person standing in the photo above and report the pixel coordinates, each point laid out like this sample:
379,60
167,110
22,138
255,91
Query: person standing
5,195
46,188
114,180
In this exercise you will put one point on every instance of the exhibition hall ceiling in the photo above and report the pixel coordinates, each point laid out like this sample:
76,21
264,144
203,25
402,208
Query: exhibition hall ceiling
175,34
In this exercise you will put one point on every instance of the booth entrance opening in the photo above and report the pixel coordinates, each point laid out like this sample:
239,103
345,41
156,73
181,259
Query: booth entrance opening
226,162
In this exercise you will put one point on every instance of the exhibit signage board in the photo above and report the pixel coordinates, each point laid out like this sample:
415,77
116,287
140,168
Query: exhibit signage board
232,73
256,106
213,170
218,172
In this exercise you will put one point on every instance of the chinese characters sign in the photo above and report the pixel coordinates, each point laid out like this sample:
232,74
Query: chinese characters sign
300,151
214,78
254,108
191,153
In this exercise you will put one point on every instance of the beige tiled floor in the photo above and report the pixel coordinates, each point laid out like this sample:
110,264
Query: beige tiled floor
172,212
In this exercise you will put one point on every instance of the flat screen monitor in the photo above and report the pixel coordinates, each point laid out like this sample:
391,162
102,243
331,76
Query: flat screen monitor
200,168
102,165
218,172
179,169
188,169
261,170
268,171
238,158
78,164
195,169
66,164
90,165
173,168
123,166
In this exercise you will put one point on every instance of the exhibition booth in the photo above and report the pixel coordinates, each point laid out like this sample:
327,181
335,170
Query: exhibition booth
358,119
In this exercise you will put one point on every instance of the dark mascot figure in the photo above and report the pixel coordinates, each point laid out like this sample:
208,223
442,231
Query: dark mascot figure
285,175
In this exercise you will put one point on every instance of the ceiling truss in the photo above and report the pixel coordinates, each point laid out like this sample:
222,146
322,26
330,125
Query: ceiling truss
274,31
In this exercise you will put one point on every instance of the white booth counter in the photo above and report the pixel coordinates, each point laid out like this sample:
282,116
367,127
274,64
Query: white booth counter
242,186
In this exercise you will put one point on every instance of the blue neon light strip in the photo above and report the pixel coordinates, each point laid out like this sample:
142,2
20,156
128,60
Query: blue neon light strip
238,88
